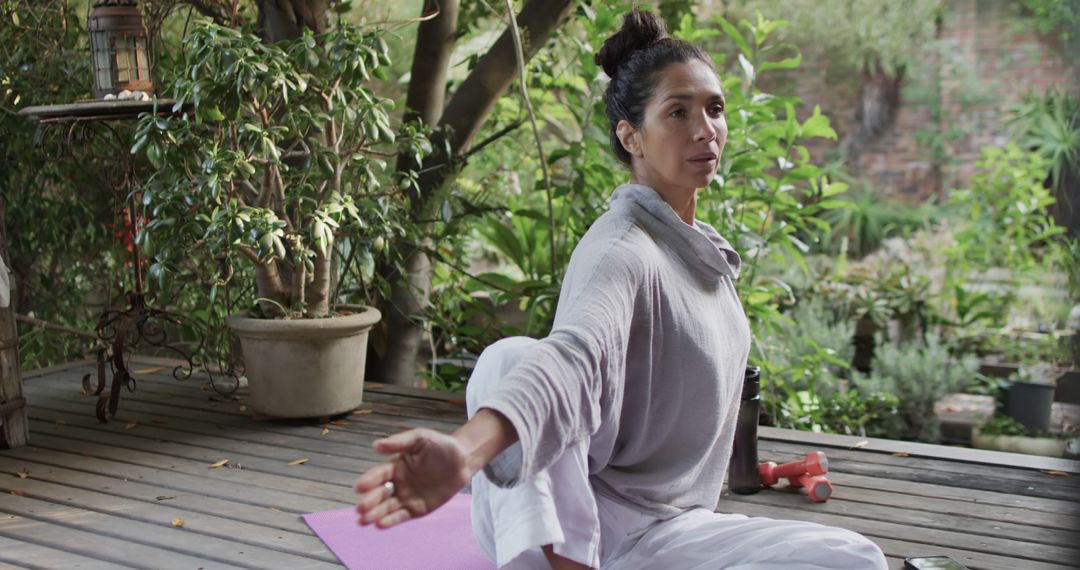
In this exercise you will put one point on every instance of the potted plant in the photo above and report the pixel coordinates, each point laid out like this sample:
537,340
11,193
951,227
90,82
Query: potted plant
279,164
1027,398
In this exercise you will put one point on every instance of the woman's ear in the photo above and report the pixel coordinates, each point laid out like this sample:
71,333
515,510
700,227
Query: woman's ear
628,136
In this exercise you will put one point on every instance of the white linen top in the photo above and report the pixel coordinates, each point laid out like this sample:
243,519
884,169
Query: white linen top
645,359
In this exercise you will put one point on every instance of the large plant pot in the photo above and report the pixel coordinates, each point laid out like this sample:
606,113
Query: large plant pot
303,368
1029,403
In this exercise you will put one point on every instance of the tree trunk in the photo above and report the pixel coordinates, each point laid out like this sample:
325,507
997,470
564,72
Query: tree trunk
879,100
282,20
460,122
425,101
286,19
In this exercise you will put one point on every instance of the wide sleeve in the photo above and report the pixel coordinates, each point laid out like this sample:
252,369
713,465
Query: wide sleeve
568,382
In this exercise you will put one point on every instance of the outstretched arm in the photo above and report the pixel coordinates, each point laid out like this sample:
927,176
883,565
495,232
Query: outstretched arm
428,468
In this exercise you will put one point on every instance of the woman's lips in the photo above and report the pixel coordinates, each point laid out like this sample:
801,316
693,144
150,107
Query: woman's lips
708,159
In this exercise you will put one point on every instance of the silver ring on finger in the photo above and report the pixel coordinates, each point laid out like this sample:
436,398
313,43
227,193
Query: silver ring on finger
390,488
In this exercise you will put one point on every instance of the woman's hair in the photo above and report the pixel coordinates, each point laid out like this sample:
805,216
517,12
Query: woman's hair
633,59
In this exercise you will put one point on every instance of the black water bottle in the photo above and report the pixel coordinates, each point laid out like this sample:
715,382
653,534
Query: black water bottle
743,476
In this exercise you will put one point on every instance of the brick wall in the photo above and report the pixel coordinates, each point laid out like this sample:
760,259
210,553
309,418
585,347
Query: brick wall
954,100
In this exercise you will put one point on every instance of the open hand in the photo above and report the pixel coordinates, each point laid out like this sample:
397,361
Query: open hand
427,469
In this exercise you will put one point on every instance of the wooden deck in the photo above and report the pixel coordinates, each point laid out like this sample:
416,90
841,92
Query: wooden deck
85,494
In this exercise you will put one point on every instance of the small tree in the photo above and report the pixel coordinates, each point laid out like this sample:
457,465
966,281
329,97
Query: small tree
277,160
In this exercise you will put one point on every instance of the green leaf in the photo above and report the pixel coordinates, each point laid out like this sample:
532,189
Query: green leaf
789,63
735,36
747,67
818,126
214,114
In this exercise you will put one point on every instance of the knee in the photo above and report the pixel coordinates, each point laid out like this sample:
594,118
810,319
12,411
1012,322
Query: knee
495,362
848,549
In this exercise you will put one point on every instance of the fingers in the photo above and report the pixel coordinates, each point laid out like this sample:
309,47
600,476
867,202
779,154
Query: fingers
400,442
375,477
394,518
377,512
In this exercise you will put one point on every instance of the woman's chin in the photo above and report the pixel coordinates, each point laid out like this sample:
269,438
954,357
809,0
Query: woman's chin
702,180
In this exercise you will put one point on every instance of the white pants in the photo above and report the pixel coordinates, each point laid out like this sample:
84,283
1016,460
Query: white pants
559,507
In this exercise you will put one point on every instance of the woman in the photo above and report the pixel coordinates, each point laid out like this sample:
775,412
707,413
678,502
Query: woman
606,443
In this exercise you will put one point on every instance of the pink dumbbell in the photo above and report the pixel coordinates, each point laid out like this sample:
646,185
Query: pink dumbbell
808,472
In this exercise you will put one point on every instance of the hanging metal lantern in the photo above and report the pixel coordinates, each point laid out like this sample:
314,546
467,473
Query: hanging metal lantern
118,46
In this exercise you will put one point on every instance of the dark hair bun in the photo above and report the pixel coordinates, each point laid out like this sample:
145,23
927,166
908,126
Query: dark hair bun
640,29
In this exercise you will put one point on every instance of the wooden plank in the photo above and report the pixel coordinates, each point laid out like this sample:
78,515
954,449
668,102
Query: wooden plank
961,472
51,370
972,559
220,444
282,441
932,492
306,436
921,449
120,551
228,414
1025,553
162,382
30,555
175,482
966,508
310,479
196,404
937,515
412,392
1039,484
191,539
162,513
154,492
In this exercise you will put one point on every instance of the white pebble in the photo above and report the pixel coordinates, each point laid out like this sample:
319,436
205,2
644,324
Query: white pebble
110,97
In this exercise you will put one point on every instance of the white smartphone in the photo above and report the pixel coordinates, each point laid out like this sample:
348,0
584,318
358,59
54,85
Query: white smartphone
932,563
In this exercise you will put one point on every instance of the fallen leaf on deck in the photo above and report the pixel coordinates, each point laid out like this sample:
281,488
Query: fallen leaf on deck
24,474
130,425
178,522
61,423
217,464
361,411
1055,472
275,509
862,443
243,408
157,421
164,497
951,409
457,402
325,431
16,492
340,423
297,462
901,454
204,387
144,371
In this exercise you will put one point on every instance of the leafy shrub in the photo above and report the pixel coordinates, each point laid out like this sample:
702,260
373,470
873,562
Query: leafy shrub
919,374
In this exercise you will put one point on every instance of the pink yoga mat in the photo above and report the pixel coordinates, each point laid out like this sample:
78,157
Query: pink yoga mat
442,540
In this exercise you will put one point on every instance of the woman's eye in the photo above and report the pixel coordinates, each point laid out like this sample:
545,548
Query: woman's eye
717,109
677,113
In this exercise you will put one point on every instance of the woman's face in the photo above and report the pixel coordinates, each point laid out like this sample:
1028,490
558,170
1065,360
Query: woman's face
683,130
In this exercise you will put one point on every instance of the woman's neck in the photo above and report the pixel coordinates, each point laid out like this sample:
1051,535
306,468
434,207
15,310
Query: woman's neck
682,200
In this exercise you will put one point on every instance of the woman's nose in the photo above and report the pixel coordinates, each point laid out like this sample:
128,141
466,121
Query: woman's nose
705,129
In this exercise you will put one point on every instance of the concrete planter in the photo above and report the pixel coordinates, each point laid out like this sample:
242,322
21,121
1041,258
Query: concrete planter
303,368
1045,446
